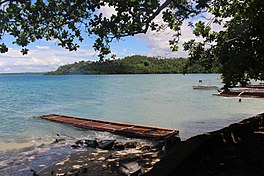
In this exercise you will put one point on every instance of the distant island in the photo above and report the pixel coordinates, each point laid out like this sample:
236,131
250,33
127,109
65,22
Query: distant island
136,65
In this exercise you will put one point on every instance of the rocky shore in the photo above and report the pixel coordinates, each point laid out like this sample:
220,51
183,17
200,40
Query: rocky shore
109,157
234,150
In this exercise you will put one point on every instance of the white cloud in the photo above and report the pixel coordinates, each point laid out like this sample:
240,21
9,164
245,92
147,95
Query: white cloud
42,47
41,60
159,43
107,11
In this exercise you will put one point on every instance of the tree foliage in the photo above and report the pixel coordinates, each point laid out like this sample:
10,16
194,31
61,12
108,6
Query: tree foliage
66,21
239,47
133,65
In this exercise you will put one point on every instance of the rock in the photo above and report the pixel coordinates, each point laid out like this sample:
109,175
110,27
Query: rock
87,143
106,144
146,147
104,167
171,142
84,170
75,146
130,168
159,145
34,173
59,140
132,144
119,146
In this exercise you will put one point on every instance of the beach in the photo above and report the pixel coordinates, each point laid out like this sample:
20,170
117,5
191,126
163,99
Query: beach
236,150
233,150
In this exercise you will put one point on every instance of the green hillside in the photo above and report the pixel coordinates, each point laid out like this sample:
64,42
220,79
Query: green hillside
135,65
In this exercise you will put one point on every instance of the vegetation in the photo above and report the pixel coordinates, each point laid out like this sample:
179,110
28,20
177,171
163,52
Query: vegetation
67,21
133,65
238,47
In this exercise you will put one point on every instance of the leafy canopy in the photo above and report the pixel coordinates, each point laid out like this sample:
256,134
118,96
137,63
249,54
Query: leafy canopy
67,21
239,48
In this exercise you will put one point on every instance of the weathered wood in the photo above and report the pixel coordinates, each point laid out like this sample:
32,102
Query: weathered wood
125,129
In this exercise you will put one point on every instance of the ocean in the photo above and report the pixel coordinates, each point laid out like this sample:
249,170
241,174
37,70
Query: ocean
157,100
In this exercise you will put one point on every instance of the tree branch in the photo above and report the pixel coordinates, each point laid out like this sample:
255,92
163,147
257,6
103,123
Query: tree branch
147,22
156,13
5,1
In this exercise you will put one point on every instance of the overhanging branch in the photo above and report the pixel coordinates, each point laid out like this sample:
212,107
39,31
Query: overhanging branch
147,22
156,13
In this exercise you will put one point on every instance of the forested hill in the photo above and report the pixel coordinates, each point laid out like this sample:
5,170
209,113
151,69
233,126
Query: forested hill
135,65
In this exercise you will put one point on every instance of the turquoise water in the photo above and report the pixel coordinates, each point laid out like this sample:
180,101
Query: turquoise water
159,100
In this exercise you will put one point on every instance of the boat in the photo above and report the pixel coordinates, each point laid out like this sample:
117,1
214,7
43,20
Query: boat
125,129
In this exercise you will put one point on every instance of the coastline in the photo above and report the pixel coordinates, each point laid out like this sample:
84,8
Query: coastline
234,150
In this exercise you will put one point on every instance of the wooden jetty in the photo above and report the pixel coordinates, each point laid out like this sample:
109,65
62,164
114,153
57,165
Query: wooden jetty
125,129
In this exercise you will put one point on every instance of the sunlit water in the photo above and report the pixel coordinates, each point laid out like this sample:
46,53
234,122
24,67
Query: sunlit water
157,100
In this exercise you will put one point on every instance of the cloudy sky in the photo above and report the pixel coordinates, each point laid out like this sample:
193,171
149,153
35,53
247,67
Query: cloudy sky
47,56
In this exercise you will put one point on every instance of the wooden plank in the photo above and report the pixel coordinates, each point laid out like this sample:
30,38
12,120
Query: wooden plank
131,130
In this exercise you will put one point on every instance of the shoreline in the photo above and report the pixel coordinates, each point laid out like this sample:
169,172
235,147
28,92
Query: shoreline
213,152
208,154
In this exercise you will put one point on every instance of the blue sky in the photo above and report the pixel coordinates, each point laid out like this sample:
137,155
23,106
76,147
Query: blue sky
46,56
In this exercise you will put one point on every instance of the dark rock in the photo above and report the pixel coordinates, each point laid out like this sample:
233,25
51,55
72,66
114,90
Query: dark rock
129,158
171,142
84,170
87,143
146,147
132,144
119,146
34,173
59,140
159,145
106,144
75,146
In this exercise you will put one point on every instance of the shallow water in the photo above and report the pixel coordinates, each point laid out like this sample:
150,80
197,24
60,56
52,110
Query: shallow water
159,100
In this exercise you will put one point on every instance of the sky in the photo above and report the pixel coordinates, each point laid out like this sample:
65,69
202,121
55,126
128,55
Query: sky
46,56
